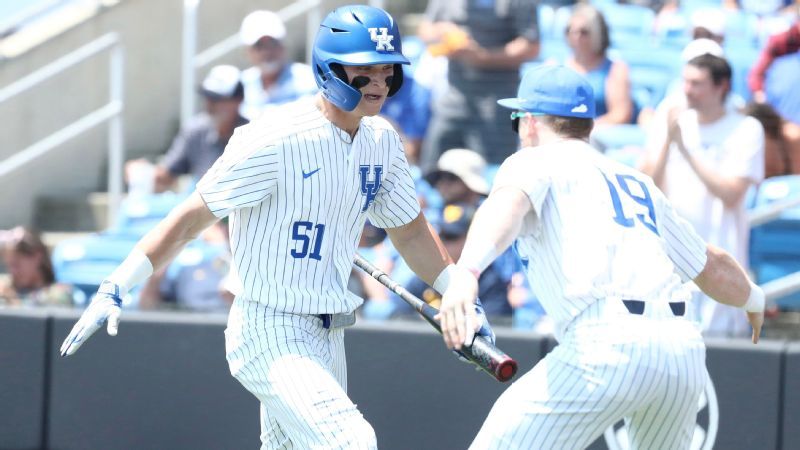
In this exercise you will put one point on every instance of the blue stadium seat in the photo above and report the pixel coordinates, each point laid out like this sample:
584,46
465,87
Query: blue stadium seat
775,246
140,213
651,70
741,59
628,23
554,49
85,262
689,7
648,86
619,136
741,31
545,14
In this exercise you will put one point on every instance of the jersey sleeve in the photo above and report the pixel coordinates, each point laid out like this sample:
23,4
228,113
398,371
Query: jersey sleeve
684,247
396,203
531,178
244,176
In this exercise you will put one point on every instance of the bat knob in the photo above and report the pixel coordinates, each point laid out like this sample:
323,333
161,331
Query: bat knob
506,370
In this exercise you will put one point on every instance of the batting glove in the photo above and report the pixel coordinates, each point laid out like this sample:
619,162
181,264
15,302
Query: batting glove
105,306
485,330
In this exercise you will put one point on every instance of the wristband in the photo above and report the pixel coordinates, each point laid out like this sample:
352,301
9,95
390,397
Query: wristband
443,280
135,269
756,299
477,256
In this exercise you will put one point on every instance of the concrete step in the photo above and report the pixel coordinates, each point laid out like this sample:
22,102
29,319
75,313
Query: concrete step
72,213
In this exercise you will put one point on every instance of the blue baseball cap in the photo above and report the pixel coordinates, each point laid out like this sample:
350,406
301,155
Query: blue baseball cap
555,91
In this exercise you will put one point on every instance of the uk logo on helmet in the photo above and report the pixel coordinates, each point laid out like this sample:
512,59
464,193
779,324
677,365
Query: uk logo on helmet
383,40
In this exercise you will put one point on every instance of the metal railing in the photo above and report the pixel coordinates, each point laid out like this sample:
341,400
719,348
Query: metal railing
191,60
111,112
787,284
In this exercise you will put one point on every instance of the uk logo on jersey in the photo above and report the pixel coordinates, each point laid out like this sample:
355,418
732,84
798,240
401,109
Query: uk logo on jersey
383,41
370,188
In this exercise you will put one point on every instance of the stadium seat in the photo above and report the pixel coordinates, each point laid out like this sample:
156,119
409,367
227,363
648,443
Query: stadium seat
741,59
651,70
629,24
741,30
775,245
85,262
622,143
687,8
140,213
546,20
618,136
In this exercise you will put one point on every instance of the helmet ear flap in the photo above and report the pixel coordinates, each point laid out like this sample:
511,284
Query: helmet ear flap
397,80
334,87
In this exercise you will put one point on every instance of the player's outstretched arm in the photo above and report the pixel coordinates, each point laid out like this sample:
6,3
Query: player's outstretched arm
422,249
495,225
155,249
724,280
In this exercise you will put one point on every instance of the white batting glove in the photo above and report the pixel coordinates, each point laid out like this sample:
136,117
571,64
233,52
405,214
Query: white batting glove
105,306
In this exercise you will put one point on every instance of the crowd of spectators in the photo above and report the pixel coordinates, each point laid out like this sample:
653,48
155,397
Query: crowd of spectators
707,129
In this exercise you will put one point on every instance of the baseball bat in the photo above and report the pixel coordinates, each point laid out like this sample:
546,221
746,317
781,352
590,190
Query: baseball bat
482,353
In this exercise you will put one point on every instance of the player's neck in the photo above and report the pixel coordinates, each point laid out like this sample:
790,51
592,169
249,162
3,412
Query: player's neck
544,137
347,121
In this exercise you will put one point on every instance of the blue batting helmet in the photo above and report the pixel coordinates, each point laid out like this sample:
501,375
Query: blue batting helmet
355,35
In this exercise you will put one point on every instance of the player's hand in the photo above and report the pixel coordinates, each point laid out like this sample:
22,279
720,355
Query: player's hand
105,306
485,330
457,316
756,320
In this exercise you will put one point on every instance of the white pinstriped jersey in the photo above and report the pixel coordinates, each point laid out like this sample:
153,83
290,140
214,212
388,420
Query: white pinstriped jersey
598,229
298,191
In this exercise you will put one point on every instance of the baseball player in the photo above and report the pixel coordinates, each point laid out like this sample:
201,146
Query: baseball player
606,255
298,188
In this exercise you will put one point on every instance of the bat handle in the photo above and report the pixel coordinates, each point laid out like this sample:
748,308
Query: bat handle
502,366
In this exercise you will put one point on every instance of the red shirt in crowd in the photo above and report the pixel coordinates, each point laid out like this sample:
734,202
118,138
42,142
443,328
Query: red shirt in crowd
777,45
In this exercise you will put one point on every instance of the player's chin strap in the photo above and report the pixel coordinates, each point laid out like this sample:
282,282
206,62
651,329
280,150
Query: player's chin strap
346,95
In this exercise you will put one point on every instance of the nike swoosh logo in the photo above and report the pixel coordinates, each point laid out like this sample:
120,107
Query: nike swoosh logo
306,175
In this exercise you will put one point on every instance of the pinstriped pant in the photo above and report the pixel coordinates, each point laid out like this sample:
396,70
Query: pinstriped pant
610,365
297,370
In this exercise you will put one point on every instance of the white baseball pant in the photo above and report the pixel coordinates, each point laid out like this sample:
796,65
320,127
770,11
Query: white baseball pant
297,370
610,364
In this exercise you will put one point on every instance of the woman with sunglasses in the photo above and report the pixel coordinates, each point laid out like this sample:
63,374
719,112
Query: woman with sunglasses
588,36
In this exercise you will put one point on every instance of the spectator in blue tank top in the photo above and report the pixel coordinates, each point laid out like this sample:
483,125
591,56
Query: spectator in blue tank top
588,36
